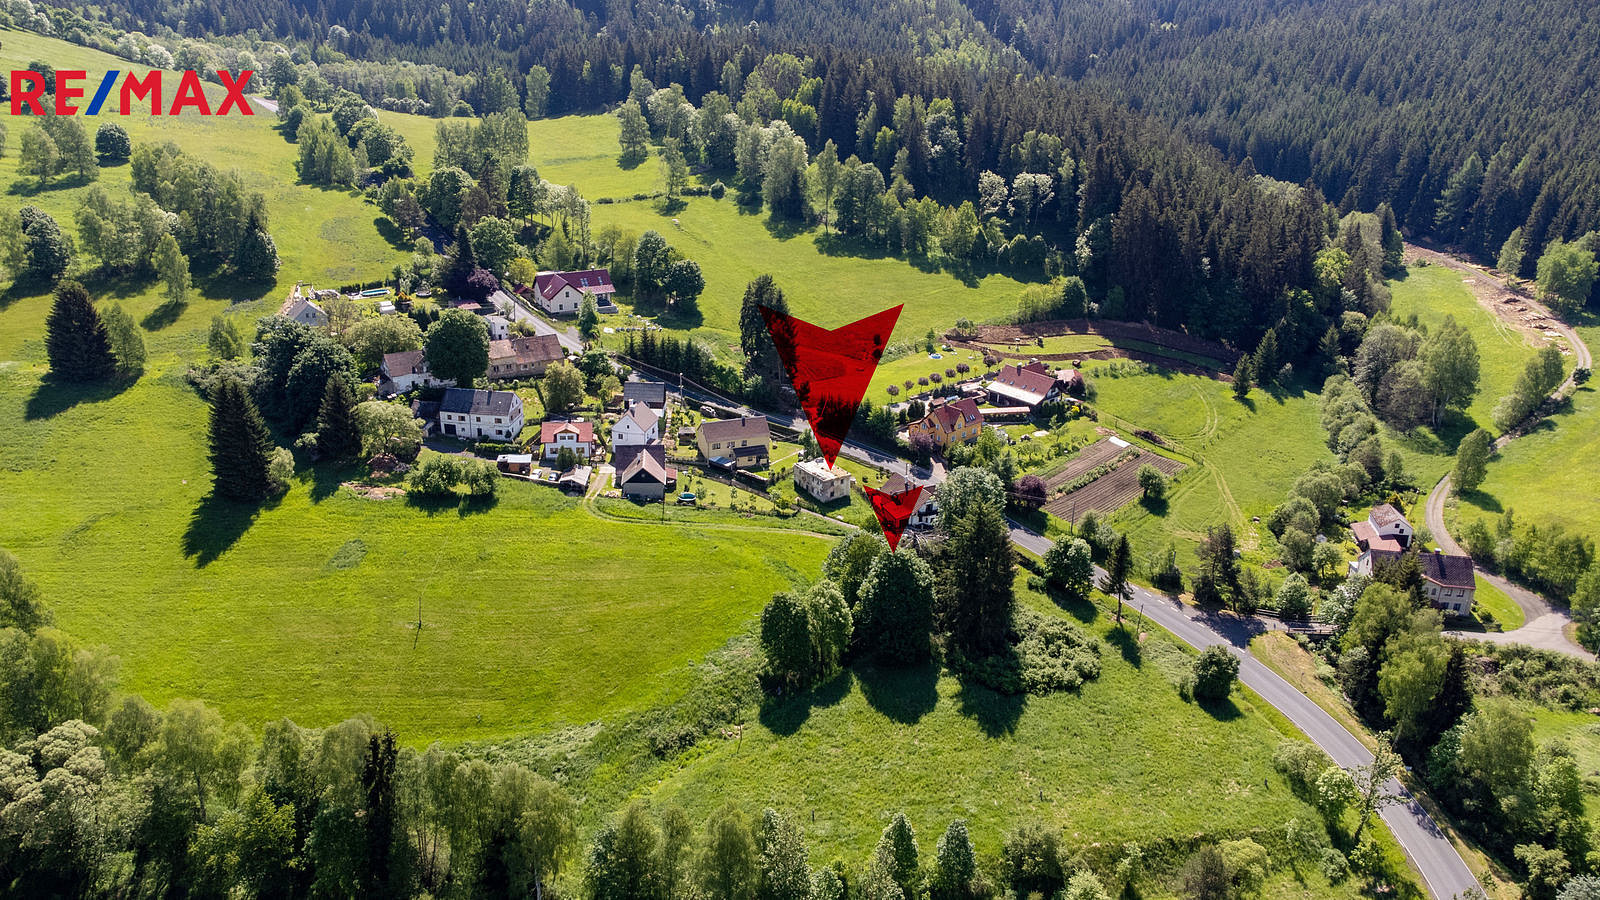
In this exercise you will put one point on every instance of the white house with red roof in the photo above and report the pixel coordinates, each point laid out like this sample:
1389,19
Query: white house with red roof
1028,385
561,293
557,436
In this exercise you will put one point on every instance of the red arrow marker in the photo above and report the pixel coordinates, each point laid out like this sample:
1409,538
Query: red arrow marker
893,511
830,370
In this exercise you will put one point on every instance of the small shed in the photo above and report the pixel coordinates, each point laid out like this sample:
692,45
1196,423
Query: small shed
515,463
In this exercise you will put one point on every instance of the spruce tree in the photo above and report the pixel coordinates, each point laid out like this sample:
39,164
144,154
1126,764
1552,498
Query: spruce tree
338,436
1266,361
982,572
1242,376
76,340
241,448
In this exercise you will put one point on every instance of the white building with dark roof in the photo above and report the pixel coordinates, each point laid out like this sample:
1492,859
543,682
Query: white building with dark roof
480,415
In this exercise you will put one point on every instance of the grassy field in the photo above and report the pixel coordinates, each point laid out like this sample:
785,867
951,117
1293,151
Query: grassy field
1247,454
878,741
733,247
1431,293
1504,610
1549,474
102,495
917,363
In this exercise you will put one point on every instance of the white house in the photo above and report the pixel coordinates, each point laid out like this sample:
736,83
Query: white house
639,425
825,483
1448,580
1383,529
499,327
575,436
480,415
408,369
562,292
307,312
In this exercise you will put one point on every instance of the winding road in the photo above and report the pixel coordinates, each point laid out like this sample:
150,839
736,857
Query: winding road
1544,627
1443,870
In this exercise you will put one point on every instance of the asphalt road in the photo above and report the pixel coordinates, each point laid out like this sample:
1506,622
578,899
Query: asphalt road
1443,871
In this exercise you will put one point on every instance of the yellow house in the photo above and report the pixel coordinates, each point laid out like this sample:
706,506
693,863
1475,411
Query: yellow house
746,441
951,423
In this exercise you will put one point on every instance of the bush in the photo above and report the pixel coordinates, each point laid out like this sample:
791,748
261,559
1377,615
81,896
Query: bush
1052,655
439,476
718,189
1214,672
1334,867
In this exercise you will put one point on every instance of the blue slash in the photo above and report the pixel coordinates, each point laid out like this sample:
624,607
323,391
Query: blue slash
100,95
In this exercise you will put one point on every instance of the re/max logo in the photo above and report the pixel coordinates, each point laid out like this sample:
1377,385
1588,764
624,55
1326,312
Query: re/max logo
29,87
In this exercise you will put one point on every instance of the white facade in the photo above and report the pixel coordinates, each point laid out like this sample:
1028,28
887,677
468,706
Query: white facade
827,485
482,423
639,426
564,301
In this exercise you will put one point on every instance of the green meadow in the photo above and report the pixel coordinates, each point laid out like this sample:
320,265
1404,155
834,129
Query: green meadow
1549,474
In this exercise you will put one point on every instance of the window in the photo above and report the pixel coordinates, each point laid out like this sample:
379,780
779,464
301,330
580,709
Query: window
497,420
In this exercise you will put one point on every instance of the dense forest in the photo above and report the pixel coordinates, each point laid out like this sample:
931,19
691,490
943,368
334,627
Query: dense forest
1468,119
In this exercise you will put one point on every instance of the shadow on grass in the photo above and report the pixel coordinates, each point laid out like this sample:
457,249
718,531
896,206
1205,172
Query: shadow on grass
215,526
1079,608
54,397
785,715
1155,506
163,315
1127,643
326,478
996,713
904,695
1479,499
391,232
461,504
1224,710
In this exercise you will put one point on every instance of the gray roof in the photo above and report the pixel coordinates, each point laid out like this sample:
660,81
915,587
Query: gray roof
1444,569
1384,514
477,403
748,428
641,414
650,393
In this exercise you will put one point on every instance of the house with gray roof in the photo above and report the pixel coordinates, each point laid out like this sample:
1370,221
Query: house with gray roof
480,415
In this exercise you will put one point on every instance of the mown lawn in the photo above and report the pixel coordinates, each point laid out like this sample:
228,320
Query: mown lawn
733,247
1505,611
1548,475
1431,293
1248,453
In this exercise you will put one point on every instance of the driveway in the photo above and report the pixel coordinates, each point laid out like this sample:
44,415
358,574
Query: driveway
1443,871
568,337
1544,626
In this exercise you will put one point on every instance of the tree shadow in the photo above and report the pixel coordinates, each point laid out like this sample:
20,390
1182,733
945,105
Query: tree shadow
1127,643
1483,501
30,187
784,715
1245,402
391,232
215,526
326,478
461,505
52,397
630,161
902,694
163,315
784,229
671,207
1155,506
1080,608
1224,710
996,713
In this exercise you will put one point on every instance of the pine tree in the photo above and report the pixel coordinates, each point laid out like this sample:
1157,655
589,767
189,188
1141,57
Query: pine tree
1266,361
257,256
982,571
1242,376
338,437
75,338
241,448
1118,568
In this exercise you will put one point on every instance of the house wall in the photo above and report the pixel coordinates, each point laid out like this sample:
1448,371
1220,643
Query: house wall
644,491
553,449
566,301
474,427
626,433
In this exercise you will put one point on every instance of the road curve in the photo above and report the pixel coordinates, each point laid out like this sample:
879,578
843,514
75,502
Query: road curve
1544,626
1430,851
